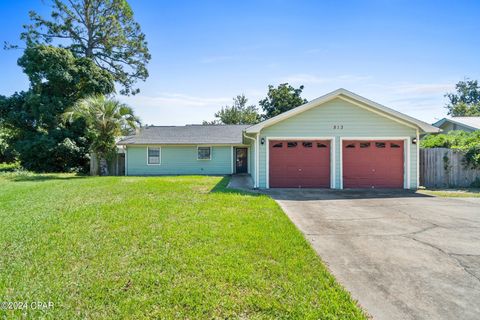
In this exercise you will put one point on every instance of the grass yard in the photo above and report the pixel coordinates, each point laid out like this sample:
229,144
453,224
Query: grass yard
156,247
452,193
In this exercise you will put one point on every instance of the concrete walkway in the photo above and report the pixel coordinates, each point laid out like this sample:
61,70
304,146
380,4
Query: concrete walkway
241,181
401,255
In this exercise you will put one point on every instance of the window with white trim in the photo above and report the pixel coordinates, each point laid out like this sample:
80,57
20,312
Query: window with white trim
204,153
153,155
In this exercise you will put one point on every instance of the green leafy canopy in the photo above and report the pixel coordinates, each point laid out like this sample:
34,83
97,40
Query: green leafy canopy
469,143
281,99
102,30
238,113
466,101
106,119
31,121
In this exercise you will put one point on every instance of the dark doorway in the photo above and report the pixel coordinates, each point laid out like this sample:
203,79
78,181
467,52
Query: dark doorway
121,164
241,163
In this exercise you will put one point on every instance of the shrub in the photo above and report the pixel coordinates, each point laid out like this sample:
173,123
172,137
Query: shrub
10,167
469,143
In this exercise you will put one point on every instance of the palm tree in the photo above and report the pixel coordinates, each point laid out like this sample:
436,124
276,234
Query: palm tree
106,120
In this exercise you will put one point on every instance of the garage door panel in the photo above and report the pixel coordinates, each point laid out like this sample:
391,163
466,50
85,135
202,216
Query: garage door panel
373,164
303,164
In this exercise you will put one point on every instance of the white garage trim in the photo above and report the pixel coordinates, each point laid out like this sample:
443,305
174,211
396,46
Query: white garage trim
406,157
332,156
418,158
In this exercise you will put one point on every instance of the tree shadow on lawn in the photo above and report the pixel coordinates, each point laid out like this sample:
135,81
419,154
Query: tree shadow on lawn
222,187
26,177
306,194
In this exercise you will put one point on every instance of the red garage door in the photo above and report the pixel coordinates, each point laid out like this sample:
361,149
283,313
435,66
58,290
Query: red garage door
373,164
299,164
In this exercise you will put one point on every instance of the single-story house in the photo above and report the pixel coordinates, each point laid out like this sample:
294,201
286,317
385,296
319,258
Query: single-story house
339,140
467,124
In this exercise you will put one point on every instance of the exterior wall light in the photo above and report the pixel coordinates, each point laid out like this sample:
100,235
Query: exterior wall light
262,141
414,140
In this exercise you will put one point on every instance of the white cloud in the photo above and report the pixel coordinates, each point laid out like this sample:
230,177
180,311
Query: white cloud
305,78
315,51
175,108
423,88
174,100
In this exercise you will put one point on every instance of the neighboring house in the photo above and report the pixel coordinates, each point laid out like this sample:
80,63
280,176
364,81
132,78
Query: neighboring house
467,124
340,140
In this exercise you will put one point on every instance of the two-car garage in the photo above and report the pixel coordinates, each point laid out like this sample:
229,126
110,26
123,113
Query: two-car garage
364,163
339,140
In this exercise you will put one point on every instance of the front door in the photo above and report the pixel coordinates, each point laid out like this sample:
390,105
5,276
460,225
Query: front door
241,164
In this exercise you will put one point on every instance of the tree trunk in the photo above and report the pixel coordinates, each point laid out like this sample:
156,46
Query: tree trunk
103,167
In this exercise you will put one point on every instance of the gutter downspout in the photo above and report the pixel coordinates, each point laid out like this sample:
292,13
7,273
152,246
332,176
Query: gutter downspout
255,184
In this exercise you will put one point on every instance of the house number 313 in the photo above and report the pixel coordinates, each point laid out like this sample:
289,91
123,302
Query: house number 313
338,127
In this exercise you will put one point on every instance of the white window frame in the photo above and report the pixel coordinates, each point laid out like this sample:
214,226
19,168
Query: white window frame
159,156
210,158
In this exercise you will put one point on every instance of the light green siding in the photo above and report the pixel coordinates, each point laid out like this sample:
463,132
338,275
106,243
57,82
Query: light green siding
320,122
179,160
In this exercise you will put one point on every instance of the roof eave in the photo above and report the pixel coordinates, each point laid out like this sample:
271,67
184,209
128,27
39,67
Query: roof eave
422,126
442,121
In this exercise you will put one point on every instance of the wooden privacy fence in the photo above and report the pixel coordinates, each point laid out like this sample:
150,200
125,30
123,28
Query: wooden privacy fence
445,168
116,166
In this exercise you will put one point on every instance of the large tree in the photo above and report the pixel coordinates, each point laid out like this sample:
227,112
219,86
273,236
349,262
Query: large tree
33,118
238,113
102,30
466,101
106,120
281,99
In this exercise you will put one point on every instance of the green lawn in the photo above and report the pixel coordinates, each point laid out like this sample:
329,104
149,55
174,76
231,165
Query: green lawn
156,247
452,193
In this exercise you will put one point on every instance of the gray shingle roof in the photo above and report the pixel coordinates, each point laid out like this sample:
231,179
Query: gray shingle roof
189,134
472,122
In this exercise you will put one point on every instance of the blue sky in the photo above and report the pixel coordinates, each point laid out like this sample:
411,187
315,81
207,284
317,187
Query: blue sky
403,54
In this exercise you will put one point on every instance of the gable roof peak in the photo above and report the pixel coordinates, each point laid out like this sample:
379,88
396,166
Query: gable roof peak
375,107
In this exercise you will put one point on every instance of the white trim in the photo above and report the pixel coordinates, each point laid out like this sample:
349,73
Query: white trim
185,145
126,160
254,175
417,145
342,93
210,158
257,160
333,151
332,156
231,155
407,145
406,150
159,156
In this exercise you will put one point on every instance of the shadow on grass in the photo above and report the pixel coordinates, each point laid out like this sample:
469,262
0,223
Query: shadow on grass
222,187
25,177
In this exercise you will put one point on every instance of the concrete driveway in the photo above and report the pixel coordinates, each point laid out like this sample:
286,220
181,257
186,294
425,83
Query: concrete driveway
401,255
